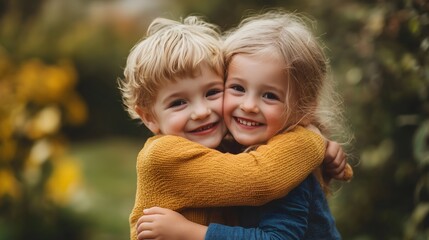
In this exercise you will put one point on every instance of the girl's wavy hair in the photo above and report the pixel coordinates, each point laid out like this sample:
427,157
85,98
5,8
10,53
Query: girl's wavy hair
311,96
171,50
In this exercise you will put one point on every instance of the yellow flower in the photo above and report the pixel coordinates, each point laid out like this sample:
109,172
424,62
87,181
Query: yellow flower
64,181
7,149
45,84
40,151
75,110
5,65
47,121
8,184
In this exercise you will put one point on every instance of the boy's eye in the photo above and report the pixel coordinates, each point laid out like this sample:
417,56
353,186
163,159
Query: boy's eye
176,103
270,96
237,88
213,92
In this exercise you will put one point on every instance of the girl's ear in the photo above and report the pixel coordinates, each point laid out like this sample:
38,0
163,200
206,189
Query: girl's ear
148,119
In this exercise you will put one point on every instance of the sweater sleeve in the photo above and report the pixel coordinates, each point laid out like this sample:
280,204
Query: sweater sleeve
187,174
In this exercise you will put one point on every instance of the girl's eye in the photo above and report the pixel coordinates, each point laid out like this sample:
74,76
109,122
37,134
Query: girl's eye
237,88
270,96
213,92
176,103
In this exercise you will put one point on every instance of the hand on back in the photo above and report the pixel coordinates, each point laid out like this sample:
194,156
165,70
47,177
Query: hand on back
335,163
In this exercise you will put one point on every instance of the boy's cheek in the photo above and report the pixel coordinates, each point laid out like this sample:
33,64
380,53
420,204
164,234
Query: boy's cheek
217,106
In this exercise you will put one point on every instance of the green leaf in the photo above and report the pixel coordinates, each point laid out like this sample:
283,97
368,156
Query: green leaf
421,144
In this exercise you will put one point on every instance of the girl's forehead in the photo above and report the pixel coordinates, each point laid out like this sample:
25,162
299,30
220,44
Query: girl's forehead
259,71
270,54
258,63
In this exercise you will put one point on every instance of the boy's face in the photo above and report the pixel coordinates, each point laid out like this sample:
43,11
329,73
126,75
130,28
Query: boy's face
255,95
191,108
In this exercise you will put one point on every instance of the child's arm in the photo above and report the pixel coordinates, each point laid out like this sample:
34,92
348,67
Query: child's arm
304,213
190,175
285,218
175,173
334,156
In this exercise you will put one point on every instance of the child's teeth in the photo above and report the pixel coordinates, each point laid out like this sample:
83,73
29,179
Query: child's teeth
204,128
248,123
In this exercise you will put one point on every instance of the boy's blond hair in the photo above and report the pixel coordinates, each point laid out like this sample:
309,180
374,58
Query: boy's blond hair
170,51
286,36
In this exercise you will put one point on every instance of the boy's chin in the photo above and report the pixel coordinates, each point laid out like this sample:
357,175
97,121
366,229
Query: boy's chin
210,144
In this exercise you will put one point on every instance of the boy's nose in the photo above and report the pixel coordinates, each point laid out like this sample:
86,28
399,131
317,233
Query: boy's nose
201,112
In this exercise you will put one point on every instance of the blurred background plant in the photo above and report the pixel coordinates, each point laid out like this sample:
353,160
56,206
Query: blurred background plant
67,153
38,177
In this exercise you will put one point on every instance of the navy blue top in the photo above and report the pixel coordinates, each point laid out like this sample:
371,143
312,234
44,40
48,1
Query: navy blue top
302,214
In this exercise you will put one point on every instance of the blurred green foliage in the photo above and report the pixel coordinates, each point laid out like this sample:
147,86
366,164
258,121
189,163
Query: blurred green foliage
59,61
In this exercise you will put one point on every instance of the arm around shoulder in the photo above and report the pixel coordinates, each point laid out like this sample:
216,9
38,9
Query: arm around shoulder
181,168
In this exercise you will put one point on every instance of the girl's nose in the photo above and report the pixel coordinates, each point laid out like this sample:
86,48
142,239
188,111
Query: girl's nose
249,106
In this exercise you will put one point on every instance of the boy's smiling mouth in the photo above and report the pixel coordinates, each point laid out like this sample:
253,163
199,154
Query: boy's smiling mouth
205,128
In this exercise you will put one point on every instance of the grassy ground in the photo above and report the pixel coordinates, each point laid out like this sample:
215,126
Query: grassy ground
109,174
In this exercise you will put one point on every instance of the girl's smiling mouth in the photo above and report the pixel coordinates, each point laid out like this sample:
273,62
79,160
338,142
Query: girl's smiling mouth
247,122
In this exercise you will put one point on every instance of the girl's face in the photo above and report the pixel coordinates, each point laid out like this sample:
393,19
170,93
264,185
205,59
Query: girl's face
254,101
190,108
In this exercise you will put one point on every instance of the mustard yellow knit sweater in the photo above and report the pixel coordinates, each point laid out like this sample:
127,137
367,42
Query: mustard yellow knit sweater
181,175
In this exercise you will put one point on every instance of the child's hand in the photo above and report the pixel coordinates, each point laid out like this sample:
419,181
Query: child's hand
159,223
166,224
335,163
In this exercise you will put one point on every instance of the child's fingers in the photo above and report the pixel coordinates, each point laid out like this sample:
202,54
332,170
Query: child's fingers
146,218
143,226
348,173
150,215
146,222
336,161
332,150
146,235
337,165
336,168
155,210
336,175
147,230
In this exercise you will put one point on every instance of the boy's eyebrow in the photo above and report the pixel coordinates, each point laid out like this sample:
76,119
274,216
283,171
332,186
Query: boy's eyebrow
236,79
211,84
166,99
179,94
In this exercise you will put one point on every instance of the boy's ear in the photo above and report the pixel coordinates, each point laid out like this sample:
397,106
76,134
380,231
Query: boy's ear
148,120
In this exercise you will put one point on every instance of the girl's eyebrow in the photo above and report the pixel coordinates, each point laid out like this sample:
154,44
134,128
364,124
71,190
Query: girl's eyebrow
264,86
275,89
281,92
